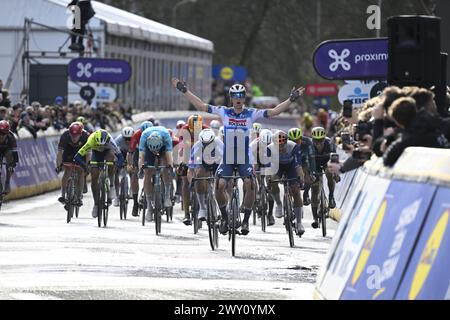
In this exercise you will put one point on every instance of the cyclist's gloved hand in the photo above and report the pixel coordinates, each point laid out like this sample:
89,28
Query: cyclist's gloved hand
295,94
181,86
79,161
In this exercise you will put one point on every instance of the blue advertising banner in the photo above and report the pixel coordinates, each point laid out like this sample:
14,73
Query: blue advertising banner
352,59
428,273
349,237
229,73
36,160
389,242
99,70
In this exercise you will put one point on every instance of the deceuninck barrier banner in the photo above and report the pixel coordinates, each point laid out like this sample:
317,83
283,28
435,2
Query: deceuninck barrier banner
388,244
35,172
352,236
393,241
428,274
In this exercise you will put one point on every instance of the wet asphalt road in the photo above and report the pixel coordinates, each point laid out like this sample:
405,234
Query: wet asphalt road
43,257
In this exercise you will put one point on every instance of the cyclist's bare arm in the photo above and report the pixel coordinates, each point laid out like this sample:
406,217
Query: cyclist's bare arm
141,159
282,107
192,98
169,158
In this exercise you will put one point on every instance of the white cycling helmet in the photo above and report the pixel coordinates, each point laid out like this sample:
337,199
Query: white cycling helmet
127,132
215,124
266,136
155,142
180,123
237,91
207,136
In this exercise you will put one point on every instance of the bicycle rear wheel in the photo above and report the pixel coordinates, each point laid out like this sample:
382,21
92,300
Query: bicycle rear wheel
287,219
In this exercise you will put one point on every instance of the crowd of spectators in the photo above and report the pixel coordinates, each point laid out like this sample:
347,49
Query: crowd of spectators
386,125
35,120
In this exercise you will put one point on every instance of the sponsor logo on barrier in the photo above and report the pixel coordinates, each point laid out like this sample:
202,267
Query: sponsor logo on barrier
428,256
369,243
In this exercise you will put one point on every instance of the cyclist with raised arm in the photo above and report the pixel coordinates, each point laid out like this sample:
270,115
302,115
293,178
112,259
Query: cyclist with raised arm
323,147
289,160
123,141
69,144
103,148
155,147
238,121
206,155
132,164
8,151
308,160
258,147
188,136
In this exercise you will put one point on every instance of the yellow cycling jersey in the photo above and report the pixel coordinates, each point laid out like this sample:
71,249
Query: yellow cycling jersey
92,144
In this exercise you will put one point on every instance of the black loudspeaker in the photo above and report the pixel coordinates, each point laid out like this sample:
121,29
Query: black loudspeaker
414,51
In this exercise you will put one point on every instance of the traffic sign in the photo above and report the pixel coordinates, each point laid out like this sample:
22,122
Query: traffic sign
87,93
322,89
353,59
99,70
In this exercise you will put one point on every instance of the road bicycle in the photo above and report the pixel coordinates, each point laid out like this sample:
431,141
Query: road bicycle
288,212
104,187
73,195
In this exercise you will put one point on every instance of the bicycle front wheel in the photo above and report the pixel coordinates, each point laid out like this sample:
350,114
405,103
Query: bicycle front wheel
234,218
323,212
288,219
158,209
263,208
212,225
105,208
101,202
70,199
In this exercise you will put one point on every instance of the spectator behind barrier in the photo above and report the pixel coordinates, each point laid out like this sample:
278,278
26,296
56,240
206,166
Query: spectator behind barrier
417,130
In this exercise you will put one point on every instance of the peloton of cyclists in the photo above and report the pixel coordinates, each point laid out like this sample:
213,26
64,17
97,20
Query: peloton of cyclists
238,121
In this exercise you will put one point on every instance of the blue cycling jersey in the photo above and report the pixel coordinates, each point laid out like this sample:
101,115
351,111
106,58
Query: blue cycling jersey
164,133
237,128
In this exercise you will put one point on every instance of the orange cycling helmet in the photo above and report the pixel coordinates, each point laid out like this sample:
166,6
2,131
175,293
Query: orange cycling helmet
195,121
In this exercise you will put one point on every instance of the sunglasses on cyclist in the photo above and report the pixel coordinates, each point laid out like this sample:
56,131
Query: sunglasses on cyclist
238,95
